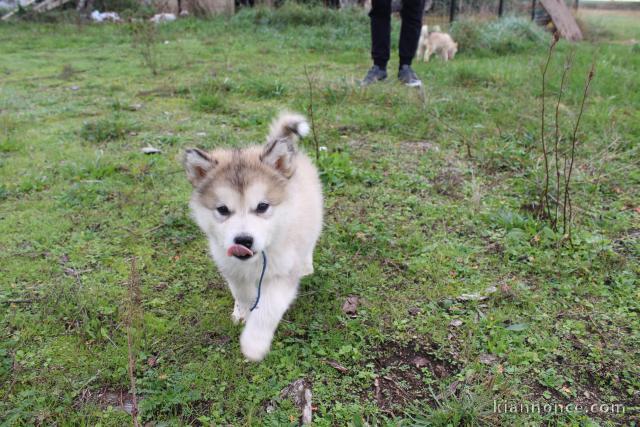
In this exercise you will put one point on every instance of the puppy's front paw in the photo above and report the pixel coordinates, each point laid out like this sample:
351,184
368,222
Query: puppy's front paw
254,347
239,314
236,318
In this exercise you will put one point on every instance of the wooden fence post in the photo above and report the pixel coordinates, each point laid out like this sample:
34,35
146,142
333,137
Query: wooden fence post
452,11
533,10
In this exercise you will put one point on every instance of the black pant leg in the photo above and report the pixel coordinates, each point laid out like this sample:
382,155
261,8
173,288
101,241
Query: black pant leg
380,16
412,11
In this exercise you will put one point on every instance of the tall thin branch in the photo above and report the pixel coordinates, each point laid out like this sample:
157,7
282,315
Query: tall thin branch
132,307
567,66
544,197
574,139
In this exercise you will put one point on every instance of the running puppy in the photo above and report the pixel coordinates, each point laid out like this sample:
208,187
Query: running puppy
259,207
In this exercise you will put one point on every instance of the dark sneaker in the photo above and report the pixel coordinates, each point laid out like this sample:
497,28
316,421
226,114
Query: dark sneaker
375,74
407,76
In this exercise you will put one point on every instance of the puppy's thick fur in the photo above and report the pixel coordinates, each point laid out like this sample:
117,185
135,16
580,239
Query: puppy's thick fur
231,189
435,42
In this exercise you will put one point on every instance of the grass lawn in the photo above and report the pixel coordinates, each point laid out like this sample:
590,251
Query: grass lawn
465,298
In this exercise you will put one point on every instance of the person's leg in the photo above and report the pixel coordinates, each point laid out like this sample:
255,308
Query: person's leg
412,11
380,16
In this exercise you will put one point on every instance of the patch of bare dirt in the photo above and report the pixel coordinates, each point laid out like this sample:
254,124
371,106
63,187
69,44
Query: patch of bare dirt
591,388
448,182
419,146
401,373
119,399
626,244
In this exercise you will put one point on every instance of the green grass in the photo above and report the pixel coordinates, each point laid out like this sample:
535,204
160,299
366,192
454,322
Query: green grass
505,36
412,223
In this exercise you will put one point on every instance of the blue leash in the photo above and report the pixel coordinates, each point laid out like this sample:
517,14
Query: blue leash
264,268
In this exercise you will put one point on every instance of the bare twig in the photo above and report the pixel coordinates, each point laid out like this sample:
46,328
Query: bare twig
143,38
567,66
566,225
544,199
310,112
133,304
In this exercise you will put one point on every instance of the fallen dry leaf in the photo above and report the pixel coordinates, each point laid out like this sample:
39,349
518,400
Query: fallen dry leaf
337,366
420,361
490,290
488,359
476,296
471,297
505,288
350,306
455,323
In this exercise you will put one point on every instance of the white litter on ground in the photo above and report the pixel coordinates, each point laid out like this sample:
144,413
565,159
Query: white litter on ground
163,17
97,16
151,150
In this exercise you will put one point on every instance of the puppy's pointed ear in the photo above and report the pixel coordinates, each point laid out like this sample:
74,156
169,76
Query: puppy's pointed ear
281,148
197,163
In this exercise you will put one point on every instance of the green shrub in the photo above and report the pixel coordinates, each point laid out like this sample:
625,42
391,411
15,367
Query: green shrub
209,102
468,76
209,97
4,193
104,130
594,31
144,39
296,14
503,36
8,139
264,88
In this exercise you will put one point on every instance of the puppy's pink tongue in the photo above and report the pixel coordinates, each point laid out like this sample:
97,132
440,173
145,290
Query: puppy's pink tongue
239,250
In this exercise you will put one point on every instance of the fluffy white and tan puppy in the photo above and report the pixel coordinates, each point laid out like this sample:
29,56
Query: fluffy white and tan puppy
435,42
259,204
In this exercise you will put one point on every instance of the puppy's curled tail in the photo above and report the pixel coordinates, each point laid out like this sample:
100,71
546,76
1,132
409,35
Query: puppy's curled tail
289,127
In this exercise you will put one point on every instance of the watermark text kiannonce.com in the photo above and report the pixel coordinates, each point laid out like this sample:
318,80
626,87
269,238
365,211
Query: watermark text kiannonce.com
556,408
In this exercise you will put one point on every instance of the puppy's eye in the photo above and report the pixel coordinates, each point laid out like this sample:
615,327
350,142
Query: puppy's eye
262,207
223,210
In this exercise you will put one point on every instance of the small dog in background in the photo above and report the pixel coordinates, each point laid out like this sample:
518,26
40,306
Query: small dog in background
435,42
261,211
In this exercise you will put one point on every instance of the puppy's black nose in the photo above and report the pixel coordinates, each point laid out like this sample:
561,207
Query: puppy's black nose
244,240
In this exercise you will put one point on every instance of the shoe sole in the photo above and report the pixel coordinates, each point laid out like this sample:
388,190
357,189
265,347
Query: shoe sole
416,84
